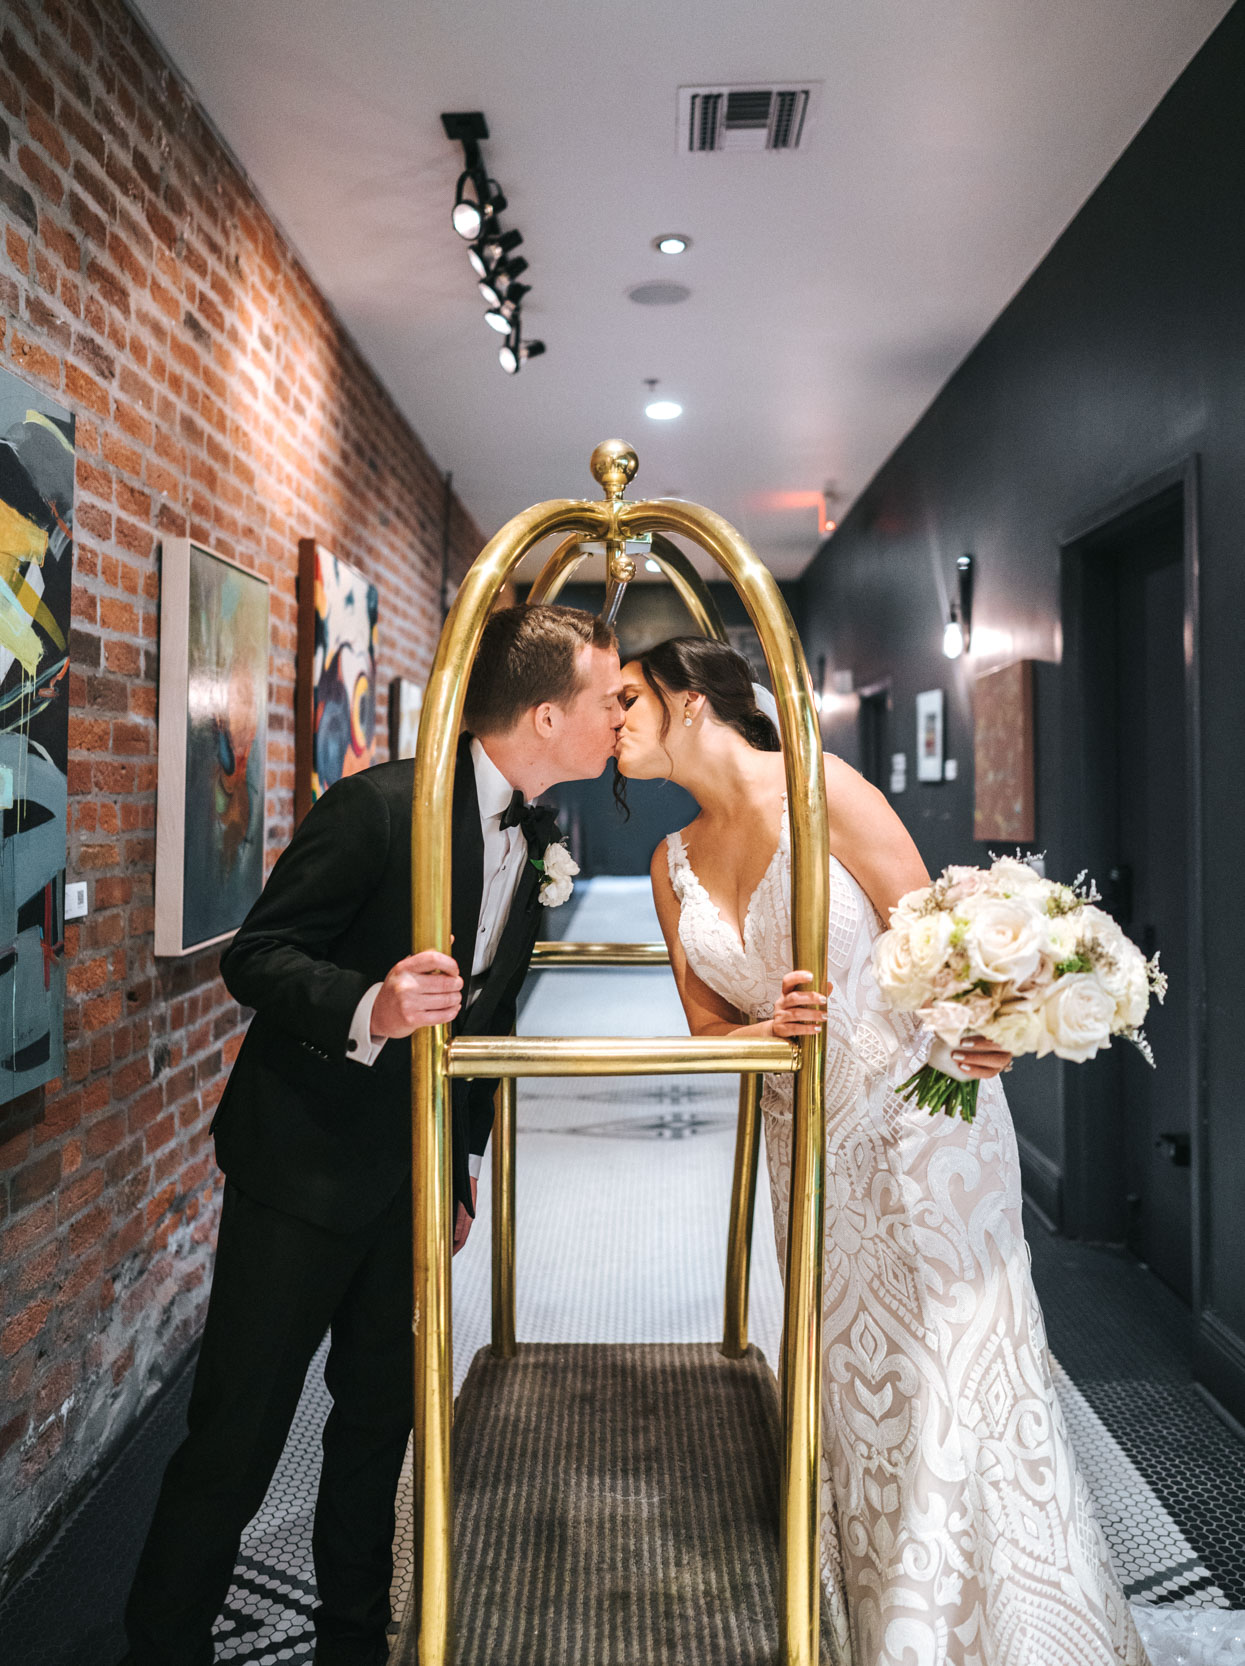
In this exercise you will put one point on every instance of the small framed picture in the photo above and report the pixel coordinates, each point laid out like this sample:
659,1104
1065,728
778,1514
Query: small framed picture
929,727
405,699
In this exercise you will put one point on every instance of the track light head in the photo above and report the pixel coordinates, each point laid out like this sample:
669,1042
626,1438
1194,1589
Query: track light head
470,199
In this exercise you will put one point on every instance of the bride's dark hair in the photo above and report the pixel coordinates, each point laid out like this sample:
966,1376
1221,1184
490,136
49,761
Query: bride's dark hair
699,665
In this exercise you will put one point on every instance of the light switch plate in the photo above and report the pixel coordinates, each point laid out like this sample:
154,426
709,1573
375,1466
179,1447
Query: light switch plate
76,904
950,769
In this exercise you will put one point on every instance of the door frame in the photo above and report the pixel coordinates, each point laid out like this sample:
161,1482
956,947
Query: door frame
1082,1159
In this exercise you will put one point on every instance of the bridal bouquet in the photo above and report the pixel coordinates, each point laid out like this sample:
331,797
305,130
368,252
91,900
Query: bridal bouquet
1030,964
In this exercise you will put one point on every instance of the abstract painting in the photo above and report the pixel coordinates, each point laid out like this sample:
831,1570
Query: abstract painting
36,571
1003,787
213,746
335,710
406,700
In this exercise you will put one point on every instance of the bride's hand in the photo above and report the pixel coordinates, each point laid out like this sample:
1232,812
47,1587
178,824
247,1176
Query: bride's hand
980,1059
798,1011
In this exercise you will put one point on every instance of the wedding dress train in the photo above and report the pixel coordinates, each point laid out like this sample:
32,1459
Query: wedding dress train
956,1527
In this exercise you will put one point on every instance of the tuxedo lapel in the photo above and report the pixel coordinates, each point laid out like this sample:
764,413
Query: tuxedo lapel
467,870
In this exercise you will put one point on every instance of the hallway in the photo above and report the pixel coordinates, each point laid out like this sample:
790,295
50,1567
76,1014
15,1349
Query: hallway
622,1191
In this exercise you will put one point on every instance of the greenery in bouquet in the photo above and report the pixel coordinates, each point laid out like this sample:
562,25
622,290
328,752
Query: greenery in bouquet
1027,963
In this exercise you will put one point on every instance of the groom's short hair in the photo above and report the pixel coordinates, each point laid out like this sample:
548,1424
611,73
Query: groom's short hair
528,655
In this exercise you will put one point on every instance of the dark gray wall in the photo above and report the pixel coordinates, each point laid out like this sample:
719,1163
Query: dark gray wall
1123,355
602,841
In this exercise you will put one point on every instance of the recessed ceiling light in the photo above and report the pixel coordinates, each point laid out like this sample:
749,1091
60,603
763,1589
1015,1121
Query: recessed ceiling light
672,244
663,410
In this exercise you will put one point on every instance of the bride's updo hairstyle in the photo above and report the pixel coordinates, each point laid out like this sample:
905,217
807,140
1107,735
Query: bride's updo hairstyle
699,665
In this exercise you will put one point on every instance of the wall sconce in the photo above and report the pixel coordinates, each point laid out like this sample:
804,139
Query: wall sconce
958,632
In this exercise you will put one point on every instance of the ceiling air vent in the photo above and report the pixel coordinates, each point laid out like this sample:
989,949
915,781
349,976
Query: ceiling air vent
745,118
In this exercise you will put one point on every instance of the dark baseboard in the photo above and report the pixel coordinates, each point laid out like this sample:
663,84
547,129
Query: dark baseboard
1219,1367
1042,1181
64,1589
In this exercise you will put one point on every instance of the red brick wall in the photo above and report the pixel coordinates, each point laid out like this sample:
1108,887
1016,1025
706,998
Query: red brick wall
217,396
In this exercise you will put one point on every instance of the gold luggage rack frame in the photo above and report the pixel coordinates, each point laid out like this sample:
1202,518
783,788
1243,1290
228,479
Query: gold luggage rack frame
427,1631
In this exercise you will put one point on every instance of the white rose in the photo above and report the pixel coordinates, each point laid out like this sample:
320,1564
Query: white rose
929,938
960,882
1063,935
910,906
1004,939
894,969
560,868
1015,1027
1129,987
1076,1018
1010,877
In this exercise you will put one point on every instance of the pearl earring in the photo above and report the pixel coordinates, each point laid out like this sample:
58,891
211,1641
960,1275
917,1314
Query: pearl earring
687,718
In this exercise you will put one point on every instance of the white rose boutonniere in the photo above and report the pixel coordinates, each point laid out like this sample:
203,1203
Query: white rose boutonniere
557,868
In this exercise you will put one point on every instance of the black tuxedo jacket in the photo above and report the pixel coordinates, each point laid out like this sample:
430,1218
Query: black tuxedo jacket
302,1126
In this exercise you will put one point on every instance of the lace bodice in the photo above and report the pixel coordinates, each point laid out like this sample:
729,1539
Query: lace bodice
748,973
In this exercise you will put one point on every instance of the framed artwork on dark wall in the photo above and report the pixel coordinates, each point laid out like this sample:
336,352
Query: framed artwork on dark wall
929,735
1004,805
335,704
213,746
36,580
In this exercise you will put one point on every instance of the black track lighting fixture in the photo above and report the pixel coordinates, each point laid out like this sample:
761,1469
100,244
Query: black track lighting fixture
476,216
515,353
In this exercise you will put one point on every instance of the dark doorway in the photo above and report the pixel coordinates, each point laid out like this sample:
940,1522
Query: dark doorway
1125,585
874,708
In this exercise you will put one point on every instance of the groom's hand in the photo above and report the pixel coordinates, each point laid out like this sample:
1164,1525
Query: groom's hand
462,1220
423,989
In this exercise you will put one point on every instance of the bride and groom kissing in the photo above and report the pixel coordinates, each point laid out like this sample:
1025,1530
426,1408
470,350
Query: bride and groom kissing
955,1524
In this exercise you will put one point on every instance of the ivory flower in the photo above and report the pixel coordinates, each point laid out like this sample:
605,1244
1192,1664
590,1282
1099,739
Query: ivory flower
558,869
1005,940
1076,1018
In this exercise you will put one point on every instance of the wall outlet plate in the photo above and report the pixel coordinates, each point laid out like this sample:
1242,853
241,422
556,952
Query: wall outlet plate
76,904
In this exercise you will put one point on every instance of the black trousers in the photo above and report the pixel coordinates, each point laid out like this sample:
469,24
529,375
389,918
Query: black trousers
279,1284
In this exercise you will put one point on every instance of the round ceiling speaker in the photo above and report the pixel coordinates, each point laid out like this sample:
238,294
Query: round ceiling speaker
659,294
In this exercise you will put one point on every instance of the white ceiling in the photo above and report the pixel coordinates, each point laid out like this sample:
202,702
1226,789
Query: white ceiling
833,290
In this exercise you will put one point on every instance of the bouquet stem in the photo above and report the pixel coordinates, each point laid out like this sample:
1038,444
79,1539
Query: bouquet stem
935,1092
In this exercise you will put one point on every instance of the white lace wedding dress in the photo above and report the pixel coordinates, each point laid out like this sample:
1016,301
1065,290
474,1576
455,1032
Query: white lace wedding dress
956,1527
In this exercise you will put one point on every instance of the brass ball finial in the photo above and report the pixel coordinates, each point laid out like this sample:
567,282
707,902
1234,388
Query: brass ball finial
613,466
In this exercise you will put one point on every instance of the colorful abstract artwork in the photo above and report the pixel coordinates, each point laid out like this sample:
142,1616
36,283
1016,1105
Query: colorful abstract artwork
213,746
1003,774
336,705
36,571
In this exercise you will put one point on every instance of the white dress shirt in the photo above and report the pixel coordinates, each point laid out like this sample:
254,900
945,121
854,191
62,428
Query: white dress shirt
505,851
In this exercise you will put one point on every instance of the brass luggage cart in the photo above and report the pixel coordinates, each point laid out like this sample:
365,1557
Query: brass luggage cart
427,1635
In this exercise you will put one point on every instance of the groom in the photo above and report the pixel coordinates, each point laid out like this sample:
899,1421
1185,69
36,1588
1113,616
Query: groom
313,1133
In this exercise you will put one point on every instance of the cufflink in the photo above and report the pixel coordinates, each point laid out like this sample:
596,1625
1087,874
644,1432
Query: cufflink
352,1046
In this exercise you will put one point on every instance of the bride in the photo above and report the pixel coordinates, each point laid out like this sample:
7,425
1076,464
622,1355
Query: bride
956,1527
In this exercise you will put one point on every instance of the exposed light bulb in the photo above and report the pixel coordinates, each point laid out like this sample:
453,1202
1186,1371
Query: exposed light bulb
651,566
663,410
953,639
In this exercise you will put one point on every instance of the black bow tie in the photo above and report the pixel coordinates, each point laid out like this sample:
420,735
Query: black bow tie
536,821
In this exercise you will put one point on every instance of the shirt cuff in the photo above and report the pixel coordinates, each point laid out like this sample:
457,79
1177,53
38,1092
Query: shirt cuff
359,1046
475,1161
